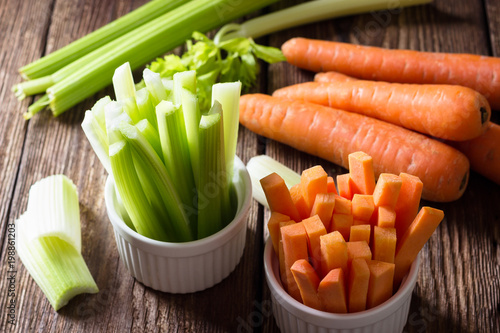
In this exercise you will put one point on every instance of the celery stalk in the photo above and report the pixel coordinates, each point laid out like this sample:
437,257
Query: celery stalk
155,86
151,134
146,107
178,222
123,82
261,166
98,139
60,58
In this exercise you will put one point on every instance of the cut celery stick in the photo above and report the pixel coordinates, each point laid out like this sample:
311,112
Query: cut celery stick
209,189
155,86
98,111
186,80
178,222
54,202
146,220
60,58
151,134
228,95
123,83
98,139
261,166
145,105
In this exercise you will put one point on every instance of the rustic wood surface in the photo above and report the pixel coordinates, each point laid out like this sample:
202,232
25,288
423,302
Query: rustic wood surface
458,287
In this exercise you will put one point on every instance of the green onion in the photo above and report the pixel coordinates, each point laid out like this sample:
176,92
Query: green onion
261,166
60,58
48,241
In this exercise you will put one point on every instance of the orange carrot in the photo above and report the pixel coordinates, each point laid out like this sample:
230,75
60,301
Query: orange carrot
358,250
314,229
480,73
299,201
342,205
381,281
362,207
484,152
313,181
387,190
361,172
278,197
344,182
330,185
334,134
323,207
294,248
342,223
273,225
333,252
384,244
308,281
360,233
414,239
331,292
333,77
359,279
408,202
444,111
386,217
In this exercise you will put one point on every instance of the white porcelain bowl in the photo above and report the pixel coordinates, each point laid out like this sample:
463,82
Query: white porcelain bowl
293,317
184,267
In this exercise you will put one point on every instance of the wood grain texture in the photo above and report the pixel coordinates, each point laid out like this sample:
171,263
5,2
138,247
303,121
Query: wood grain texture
458,288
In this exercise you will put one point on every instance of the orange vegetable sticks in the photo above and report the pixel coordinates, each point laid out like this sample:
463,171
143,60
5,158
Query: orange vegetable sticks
307,281
331,292
278,197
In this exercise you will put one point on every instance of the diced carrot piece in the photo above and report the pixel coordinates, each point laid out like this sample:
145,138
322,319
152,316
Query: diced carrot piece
362,207
299,201
384,244
360,233
344,183
330,185
331,292
333,252
380,285
308,281
408,202
359,279
418,233
342,223
323,207
273,225
294,238
387,190
278,197
359,249
361,171
386,217
313,181
314,229
342,205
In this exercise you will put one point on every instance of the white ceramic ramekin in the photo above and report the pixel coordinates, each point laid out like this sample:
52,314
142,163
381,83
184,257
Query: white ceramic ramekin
293,317
184,267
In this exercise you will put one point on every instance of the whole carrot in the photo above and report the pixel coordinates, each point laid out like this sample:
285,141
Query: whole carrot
334,134
480,73
444,111
332,77
484,152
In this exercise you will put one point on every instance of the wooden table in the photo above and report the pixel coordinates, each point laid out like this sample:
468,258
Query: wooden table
459,278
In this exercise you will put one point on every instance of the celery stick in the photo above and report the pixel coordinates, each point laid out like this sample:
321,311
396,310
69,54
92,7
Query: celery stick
60,58
228,95
261,166
98,139
155,86
123,82
98,111
146,107
146,220
186,80
151,134
209,187
144,153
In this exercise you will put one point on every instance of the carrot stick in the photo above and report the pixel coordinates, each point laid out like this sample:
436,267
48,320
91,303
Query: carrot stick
381,282
484,152
386,217
314,229
333,252
443,111
414,239
342,205
358,250
323,208
342,223
308,281
362,207
345,185
361,172
408,202
384,244
359,279
273,225
360,232
334,134
299,201
330,185
331,292
480,73
294,248
278,197
313,181
387,190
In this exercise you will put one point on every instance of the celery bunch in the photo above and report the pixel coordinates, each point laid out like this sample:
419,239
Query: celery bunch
170,159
